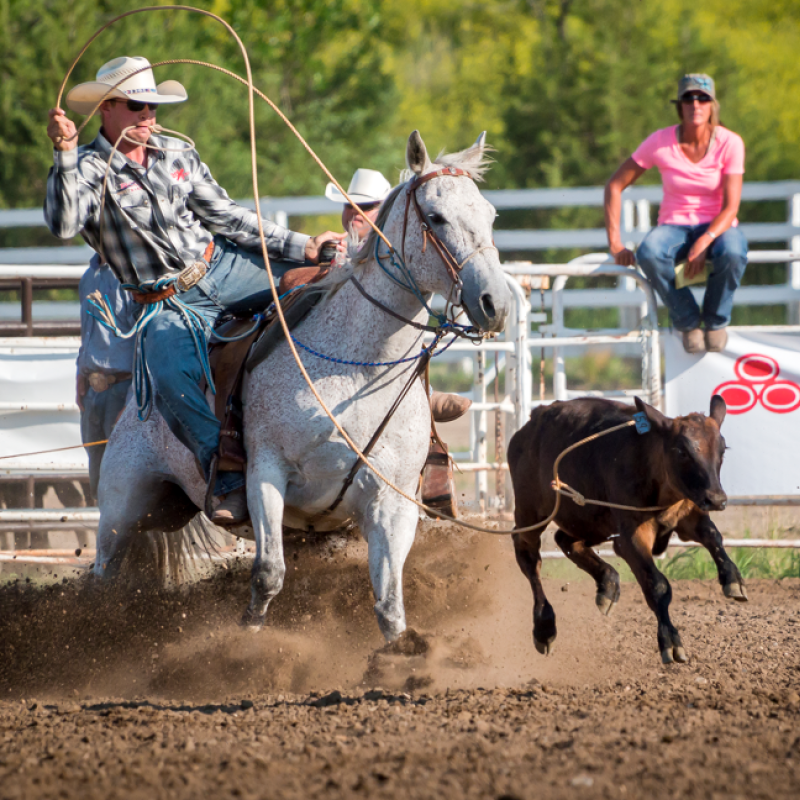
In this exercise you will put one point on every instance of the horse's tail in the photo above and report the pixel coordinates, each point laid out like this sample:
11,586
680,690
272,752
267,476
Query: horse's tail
172,558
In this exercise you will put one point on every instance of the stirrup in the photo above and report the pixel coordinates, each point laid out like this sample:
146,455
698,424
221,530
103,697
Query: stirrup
208,505
437,484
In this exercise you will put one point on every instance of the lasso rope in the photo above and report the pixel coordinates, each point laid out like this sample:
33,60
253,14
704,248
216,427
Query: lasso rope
251,90
56,450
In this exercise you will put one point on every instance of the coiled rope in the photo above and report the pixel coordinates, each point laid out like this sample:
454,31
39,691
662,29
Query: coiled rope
252,91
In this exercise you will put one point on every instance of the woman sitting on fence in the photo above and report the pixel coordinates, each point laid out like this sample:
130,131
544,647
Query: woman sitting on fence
701,165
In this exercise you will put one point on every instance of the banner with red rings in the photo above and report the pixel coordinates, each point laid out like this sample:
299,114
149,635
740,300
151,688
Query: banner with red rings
758,376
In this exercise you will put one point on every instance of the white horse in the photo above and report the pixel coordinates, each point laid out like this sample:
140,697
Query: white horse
297,461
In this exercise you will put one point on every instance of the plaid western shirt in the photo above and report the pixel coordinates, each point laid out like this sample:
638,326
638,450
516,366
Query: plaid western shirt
157,219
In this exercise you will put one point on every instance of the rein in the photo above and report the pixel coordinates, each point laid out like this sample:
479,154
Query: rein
419,369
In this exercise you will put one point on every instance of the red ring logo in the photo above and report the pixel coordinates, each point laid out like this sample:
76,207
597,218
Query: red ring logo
758,383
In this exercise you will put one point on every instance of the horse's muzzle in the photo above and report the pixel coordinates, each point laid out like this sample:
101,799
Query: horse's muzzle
487,301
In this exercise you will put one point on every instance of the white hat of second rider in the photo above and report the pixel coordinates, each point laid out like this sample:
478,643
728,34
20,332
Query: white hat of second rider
140,86
367,186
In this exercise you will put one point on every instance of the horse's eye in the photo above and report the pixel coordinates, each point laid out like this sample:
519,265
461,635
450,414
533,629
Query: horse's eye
436,219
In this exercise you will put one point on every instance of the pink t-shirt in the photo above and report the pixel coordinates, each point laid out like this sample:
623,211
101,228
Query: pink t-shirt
692,192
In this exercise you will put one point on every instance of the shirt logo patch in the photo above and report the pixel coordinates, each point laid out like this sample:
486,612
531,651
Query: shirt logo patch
179,174
128,188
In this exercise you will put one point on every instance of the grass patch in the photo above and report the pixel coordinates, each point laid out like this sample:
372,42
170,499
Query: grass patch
596,369
695,563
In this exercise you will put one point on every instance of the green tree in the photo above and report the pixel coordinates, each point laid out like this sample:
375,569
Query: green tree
318,60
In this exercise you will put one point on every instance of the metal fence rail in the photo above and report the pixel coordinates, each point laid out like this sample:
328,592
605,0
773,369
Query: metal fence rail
527,331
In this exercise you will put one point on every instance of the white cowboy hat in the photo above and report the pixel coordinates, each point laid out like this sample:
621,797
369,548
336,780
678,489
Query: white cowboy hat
367,186
141,86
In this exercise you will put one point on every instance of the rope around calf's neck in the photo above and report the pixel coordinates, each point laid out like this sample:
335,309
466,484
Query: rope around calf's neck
252,91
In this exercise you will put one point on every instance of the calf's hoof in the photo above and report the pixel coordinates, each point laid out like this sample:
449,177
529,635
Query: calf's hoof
605,605
735,591
670,654
545,647
251,621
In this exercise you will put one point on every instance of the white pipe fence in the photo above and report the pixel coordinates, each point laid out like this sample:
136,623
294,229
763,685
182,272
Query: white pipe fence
527,331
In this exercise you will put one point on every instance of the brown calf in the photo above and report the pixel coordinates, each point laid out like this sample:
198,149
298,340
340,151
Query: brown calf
675,465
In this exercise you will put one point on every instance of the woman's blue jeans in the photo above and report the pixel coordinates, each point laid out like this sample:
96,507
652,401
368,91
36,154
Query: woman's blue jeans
666,245
236,280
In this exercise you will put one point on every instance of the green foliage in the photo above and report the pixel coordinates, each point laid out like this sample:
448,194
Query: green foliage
595,369
566,88
320,61
695,563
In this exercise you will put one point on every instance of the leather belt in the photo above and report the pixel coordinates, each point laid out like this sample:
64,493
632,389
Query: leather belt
100,381
186,279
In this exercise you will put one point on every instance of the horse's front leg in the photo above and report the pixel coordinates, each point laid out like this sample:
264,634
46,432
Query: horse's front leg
389,526
266,487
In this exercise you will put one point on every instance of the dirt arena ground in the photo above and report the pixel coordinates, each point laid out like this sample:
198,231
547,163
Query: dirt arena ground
138,694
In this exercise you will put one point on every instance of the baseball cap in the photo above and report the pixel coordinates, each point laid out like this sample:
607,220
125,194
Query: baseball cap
696,82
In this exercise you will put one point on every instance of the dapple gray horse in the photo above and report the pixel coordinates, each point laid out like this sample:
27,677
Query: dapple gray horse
297,461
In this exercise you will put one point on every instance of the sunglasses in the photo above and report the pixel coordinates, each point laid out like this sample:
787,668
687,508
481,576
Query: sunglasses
135,105
367,206
690,98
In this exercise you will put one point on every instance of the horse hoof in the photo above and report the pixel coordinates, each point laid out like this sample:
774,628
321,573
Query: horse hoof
251,622
605,604
735,591
671,654
545,648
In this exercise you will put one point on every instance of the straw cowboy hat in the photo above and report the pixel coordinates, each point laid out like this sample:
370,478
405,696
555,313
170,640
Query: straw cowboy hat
141,86
367,186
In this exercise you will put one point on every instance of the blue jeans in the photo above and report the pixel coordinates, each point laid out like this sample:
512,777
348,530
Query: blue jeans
236,281
99,415
726,257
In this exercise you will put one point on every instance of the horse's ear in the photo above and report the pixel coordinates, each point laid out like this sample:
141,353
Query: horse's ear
417,154
480,142
718,409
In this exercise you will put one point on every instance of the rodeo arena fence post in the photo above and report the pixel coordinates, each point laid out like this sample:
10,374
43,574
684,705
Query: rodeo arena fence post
39,343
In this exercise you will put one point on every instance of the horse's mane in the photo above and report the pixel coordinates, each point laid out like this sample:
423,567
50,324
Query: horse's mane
473,160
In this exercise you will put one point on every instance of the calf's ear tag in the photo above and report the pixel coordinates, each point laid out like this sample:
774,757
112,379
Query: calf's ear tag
642,423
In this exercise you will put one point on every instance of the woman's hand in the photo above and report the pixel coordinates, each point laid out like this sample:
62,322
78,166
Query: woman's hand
623,256
696,260
627,173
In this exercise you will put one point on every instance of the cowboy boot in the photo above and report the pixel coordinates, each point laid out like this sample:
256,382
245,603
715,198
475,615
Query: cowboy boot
231,508
448,407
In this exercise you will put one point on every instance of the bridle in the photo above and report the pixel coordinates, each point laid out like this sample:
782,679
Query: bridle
406,280
448,259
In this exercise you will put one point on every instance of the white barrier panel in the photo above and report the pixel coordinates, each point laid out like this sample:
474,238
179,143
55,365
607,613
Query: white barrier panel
758,375
37,405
